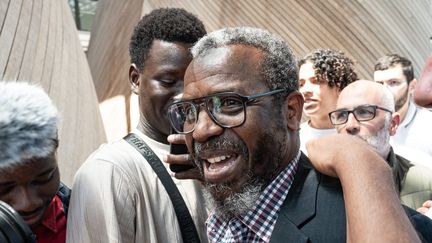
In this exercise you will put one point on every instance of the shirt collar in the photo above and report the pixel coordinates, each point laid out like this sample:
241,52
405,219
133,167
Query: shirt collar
411,113
152,143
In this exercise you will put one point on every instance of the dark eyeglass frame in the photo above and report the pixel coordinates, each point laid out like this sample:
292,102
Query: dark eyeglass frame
348,112
204,101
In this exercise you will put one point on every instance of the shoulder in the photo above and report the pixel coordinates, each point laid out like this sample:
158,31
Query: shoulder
116,153
417,186
420,172
423,117
306,211
111,164
421,223
418,178
117,156
424,112
304,128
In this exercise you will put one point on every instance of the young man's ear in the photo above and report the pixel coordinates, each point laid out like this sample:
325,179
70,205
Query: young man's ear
411,86
134,78
294,104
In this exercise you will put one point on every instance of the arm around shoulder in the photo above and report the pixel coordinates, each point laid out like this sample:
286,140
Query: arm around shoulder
373,209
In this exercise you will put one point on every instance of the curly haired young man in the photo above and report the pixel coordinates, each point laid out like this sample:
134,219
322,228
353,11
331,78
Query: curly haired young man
323,74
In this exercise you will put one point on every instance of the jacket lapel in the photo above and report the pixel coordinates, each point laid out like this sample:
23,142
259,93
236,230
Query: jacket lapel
299,206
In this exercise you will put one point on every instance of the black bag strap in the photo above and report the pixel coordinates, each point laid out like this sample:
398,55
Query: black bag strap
64,194
187,226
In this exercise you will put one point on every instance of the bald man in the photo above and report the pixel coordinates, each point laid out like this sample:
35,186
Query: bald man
366,109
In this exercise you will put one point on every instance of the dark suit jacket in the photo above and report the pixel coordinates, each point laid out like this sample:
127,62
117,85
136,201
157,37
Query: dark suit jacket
314,210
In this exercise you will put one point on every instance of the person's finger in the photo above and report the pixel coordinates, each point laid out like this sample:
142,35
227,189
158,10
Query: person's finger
176,139
422,210
181,159
189,174
427,204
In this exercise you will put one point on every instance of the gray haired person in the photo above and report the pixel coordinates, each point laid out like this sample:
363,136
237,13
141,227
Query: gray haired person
29,174
240,115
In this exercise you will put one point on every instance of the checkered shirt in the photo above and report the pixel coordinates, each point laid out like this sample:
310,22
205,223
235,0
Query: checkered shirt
257,224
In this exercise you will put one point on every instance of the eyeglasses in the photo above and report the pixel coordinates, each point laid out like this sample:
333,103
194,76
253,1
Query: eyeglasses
226,109
361,113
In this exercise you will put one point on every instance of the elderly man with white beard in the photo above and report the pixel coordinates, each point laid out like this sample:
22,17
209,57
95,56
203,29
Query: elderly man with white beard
366,109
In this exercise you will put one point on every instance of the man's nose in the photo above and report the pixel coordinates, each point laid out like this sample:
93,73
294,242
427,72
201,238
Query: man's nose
205,127
26,200
352,126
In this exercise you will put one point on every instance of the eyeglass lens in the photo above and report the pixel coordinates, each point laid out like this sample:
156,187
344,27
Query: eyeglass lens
361,113
225,110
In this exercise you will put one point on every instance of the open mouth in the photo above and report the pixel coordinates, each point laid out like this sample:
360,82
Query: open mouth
220,167
310,103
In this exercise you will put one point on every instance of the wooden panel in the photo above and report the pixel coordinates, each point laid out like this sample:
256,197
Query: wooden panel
40,44
108,51
363,29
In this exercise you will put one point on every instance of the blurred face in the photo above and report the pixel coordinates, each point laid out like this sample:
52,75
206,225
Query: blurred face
423,90
160,81
233,159
29,188
395,81
319,97
377,131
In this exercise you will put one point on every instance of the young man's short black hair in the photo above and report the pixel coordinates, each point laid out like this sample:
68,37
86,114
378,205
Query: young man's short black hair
166,24
392,60
331,66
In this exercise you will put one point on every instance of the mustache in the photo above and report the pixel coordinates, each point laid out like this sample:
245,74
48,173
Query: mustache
220,142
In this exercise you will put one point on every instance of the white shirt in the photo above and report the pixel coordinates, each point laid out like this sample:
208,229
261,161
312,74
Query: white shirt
415,131
307,132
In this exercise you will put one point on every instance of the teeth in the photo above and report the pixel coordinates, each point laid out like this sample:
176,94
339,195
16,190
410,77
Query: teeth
218,159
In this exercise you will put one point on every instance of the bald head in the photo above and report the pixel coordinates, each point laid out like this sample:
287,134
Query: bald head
366,109
365,92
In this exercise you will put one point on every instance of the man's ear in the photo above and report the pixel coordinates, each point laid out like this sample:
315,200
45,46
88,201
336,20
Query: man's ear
294,104
411,86
134,78
395,120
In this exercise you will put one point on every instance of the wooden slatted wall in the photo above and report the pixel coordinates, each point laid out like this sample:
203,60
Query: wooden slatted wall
363,29
39,43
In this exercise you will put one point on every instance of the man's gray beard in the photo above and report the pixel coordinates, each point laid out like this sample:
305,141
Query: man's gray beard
231,203
380,142
236,203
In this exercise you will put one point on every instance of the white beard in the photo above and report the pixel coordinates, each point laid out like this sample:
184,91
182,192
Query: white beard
380,142
235,204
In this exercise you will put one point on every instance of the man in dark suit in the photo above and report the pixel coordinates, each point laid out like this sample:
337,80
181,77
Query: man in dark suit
240,113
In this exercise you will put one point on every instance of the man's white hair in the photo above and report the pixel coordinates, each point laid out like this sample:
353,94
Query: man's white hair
28,123
279,65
